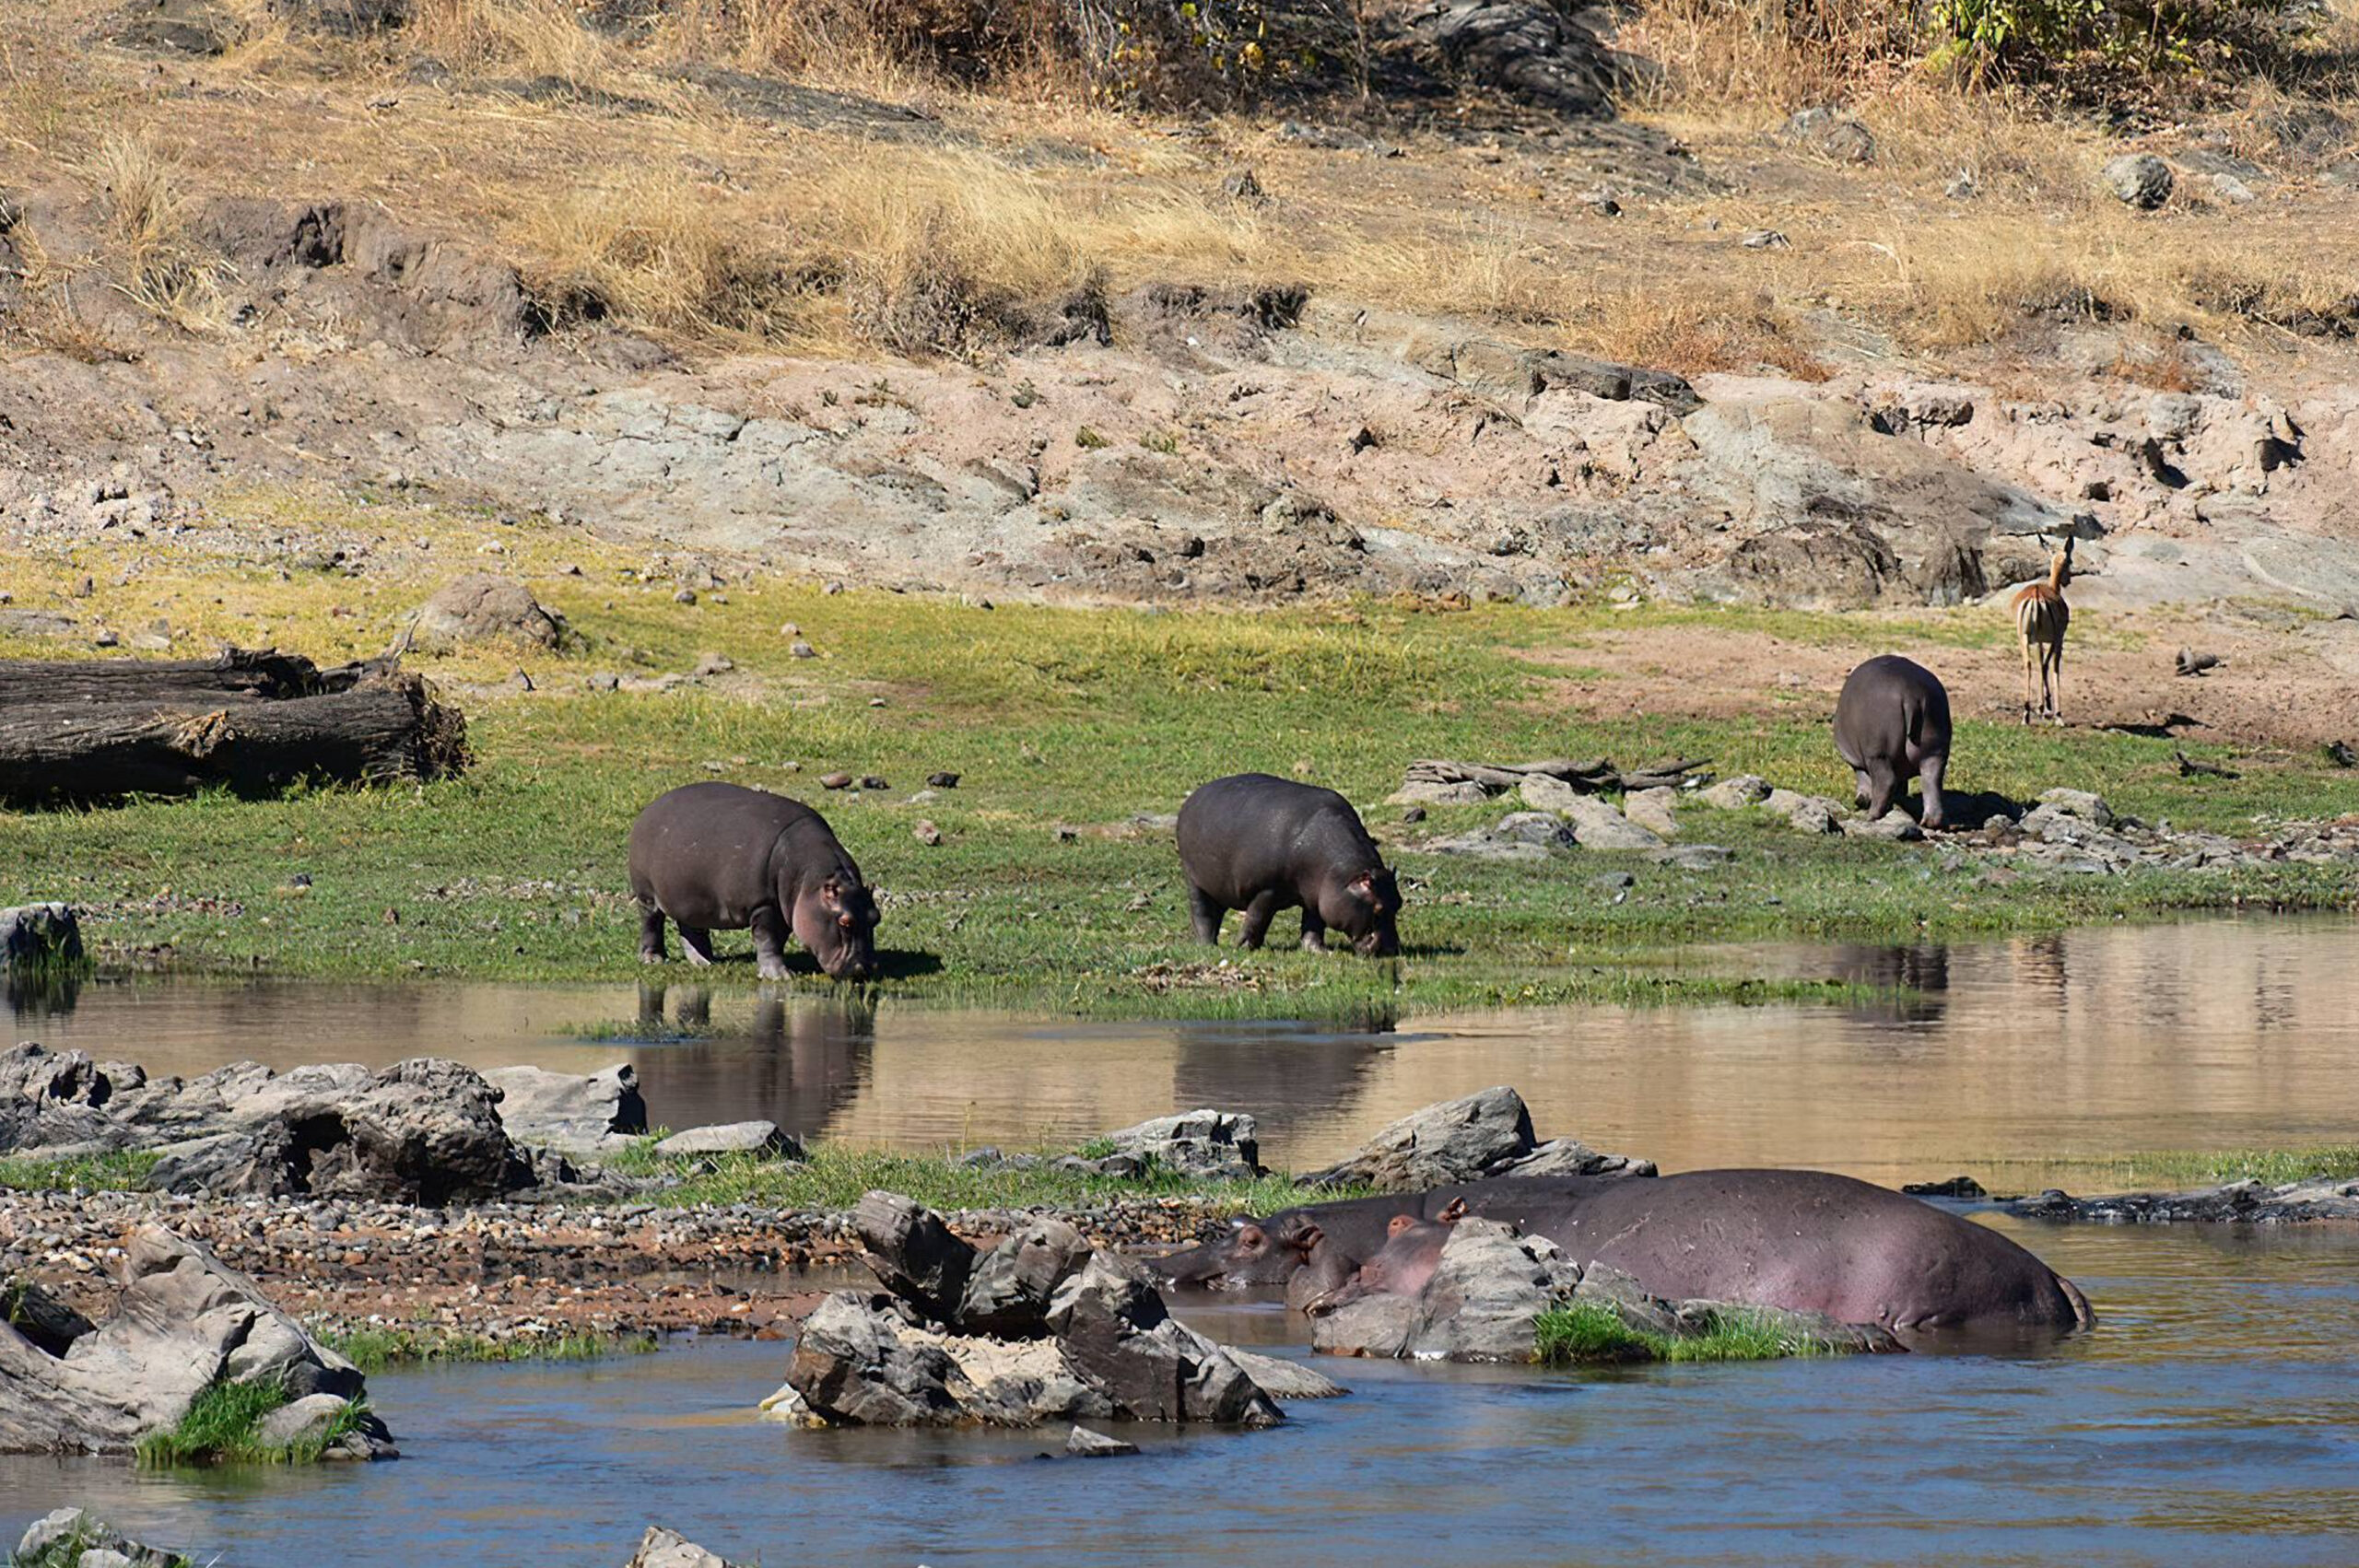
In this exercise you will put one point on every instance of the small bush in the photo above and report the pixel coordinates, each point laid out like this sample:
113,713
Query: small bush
223,1427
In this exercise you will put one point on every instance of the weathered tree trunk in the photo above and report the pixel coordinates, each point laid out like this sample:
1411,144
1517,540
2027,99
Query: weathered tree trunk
252,724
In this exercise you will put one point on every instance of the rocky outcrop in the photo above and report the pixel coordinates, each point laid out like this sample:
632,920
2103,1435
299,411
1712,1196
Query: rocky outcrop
754,1139
1203,1145
72,1537
1043,1327
2240,1203
587,1112
426,1130
182,1324
1488,1294
1484,1134
482,608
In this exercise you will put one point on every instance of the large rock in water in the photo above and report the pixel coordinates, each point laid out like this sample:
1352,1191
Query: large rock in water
1043,1329
37,936
661,1548
426,1130
1484,1134
70,1538
184,1323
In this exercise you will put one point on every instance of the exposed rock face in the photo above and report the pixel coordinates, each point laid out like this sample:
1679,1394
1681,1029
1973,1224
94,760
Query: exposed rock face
482,608
2139,179
1534,51
1044,1327
563,1110
424,1131
1519,835
1485,1298
40,935
761,1139
71,1538
184,1323
2247,1202
1206,1144
1485,1134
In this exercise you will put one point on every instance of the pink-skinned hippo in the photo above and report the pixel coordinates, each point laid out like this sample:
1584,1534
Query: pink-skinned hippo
721,857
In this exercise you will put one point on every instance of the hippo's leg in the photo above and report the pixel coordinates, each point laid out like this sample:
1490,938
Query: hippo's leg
1882,785
1860,795
1204,913
651,937
1314,930
1929,779
698,942
770,943
1256,924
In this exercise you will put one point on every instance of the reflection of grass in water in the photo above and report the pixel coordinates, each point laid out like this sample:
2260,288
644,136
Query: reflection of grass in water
834,1177
2191,1167
374,1347
640,1031
123,1170
1585,1332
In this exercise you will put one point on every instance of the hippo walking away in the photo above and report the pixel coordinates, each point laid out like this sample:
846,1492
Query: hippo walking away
1803,1241
1262,843
1893,720
721,857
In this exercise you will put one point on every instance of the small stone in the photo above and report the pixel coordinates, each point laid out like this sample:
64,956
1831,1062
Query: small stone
106,639
85,588
1412,813
2139,179
926,834
802,650
870,781
835,781
1066,835
605,683
684,596
1084,1444
1613,882
715,664
761,1139
942,780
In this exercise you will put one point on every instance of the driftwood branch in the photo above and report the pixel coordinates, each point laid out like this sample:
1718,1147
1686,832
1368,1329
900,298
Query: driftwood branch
250,722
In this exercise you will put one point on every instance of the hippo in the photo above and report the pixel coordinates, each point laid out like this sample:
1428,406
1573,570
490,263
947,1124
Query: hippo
1803,1241
1262,843
1404,1266
723,857
1893,720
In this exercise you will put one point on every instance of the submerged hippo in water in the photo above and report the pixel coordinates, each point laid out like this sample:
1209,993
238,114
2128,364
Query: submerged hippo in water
1892,721
1404,1266
720,857
1805,1241
1262,844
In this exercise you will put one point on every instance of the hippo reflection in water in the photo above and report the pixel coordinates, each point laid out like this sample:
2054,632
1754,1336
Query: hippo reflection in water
1803,1241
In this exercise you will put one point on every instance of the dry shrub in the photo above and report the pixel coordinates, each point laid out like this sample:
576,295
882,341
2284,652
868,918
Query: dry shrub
1479,268
162,265
897,41
672,257
1766,57
1694,336
535,38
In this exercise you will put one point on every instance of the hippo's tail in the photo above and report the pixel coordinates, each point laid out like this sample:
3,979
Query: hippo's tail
2084,1315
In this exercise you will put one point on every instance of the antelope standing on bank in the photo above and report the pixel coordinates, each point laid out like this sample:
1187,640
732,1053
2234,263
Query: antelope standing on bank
2041,616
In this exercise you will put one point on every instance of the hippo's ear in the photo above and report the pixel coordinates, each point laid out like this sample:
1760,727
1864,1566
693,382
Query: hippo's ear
1250,1234
1455,1212
1308,1238
1398,1223
1364,886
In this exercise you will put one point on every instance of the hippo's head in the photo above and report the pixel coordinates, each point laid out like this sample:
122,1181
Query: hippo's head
1402,1266
1255,1252
837,921
1365,907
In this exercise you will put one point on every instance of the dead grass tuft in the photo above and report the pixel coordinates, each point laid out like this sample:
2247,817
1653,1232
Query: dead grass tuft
1695,335
159,264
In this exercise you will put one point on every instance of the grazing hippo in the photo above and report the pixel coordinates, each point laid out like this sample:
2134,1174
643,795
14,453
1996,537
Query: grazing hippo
1262,843
1404,1266
1893,720
1805,1241
720,857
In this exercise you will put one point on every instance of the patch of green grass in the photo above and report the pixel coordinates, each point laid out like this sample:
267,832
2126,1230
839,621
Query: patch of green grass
223,1427
2169,1169
1065,718
373,1347
1585,1333
833,1177
124,1170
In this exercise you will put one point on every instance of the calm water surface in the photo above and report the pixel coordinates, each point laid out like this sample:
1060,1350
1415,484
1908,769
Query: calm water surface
2213,1417
2036,1051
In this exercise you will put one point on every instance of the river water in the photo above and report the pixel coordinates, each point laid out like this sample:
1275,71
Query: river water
2213,1416
2013,1061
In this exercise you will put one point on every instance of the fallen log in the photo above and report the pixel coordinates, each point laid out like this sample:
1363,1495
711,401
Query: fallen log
249,723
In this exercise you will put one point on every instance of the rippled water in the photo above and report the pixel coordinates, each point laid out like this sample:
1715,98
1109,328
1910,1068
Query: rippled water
2213,1417
2037,1050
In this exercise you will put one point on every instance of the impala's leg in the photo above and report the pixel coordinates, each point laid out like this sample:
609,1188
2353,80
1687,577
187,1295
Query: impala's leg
2028,656
2055,702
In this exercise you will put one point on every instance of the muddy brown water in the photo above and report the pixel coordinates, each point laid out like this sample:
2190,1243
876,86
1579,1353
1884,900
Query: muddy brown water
2015,1060
2211,1417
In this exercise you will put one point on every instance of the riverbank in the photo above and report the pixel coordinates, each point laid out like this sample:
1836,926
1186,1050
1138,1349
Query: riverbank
1046,877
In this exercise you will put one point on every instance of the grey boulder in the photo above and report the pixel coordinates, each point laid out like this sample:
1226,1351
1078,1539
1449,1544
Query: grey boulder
762,1140
661,1548
563,1110
1483,1134
2139,179
36,936
71,1538
481,608
1203,1144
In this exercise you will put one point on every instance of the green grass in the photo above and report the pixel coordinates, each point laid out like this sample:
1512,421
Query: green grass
834,1178
2180,1169
222,1427
92,1535
1062,719
122,1171
1585,1333
372,1347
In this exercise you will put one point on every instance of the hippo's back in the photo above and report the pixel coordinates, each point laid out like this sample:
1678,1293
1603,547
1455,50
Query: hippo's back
1248,824
1891,707
702,852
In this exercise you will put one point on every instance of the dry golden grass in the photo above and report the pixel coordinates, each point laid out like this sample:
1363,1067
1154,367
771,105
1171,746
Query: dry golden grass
159,265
